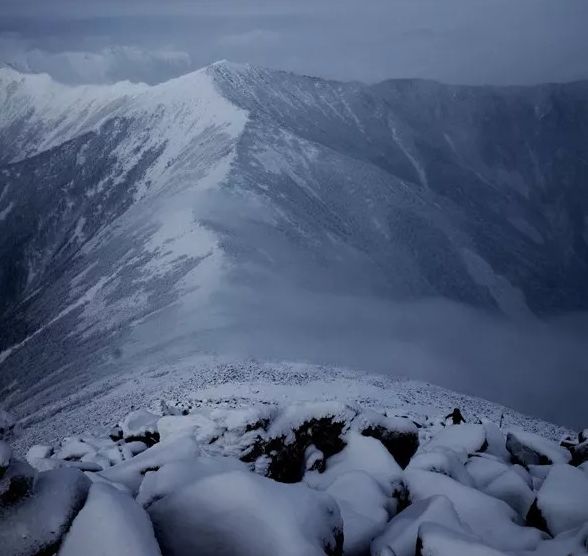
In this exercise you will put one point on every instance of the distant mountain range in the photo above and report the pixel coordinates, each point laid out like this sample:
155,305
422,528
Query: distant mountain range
139,220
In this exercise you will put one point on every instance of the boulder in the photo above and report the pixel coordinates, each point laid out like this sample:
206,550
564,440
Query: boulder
562,501
365,508
110,523
140,425
16,483
579,453
284,447
174,476
361,453
130,473
463,439
400,535
491,520
399,435
531,449
241,514
436,540
442,461
512,489
35,525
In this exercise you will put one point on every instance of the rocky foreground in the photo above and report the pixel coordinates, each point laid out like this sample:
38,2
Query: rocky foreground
295,479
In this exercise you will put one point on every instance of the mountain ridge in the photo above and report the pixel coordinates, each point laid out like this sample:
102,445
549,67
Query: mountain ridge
145,222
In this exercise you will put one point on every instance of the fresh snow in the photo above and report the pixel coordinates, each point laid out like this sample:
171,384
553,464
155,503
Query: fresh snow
492,520
400,536
241,514
563,499
361,453
110,523
467,439
436,540
208,486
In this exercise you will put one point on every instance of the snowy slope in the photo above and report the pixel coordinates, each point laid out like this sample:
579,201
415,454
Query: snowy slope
249,210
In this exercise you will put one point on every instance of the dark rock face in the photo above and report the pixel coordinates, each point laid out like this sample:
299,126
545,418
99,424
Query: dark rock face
337,548
287,459
579,453
535,518
16,483
150,438
524,455
401,445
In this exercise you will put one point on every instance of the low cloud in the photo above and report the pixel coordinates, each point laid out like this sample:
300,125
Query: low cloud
107,65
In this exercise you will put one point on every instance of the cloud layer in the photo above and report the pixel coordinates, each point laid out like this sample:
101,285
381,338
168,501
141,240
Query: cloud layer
460,41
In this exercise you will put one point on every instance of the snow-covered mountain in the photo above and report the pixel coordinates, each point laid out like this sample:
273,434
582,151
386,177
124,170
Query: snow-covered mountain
237,205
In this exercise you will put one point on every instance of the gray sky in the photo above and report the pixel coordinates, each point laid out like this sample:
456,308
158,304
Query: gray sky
459,41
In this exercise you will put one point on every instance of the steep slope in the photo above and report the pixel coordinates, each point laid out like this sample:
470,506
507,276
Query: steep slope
238,208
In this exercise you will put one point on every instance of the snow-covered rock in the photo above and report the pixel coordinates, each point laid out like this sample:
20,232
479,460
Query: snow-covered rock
110,523
283,449
574,542
531,449
131,472
484,469
243,514
197,425
512,489
436,540
175,475
562,501
496,441
442,461
36,524
365,508
140,425
490,519
400,536
38,451
466,439
398,434
361,453
206,492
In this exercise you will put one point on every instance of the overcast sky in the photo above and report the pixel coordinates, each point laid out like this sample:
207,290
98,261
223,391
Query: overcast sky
461,41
